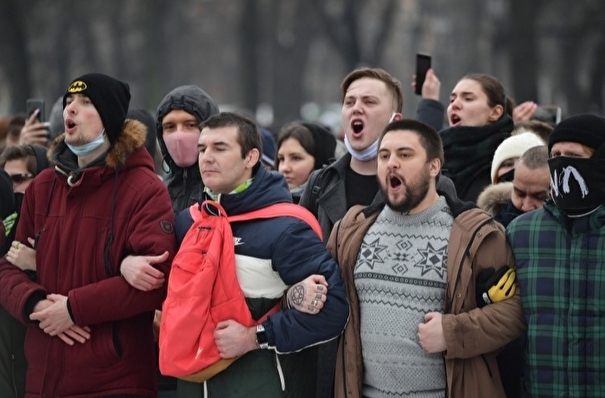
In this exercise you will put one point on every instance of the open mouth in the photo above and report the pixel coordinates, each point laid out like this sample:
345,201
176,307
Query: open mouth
395,182
454,120
69,124
357,126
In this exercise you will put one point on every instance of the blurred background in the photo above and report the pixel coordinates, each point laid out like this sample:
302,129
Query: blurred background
284,59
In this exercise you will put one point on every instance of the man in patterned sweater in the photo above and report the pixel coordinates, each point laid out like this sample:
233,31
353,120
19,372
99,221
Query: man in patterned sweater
410,270
561,267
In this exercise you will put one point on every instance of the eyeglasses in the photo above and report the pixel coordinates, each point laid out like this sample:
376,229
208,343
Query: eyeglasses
19,178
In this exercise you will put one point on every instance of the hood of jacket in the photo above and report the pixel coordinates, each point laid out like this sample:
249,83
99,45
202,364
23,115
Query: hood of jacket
268,187
42,161
495,197
191,99
117,157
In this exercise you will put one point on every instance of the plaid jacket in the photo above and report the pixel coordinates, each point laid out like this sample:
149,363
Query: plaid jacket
561,274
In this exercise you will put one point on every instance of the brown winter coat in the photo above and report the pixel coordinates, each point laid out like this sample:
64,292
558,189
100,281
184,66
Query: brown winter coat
473,335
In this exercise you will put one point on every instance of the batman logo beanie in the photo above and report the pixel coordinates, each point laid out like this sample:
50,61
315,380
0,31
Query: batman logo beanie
109,96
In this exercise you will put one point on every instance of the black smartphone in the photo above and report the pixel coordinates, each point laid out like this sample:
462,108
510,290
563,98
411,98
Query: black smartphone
35,103
423,64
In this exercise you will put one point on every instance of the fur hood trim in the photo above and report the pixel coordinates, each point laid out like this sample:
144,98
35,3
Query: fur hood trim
132,137
494,197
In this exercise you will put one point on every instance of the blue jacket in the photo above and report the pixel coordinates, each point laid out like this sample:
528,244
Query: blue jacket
293,251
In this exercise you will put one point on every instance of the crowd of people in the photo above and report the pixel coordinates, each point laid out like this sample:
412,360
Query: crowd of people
452,253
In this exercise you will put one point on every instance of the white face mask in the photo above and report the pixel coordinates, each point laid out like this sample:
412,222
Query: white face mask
182,147
83,150
370,152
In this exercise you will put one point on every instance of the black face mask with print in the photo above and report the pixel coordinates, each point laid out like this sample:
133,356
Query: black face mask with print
577,184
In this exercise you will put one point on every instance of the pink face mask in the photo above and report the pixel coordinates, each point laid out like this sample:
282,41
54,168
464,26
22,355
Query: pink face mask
182,147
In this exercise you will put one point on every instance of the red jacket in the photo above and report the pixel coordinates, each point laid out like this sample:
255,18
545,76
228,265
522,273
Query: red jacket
72,225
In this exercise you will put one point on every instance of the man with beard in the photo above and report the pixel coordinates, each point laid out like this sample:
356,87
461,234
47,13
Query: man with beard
410,271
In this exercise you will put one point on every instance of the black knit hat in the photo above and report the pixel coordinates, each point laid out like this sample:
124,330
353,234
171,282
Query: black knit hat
325,144
585,129
109,96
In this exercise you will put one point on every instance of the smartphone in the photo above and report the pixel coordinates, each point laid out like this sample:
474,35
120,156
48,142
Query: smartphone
550,114
35,103
423,64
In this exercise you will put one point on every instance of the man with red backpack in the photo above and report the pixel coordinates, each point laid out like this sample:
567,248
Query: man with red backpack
278,358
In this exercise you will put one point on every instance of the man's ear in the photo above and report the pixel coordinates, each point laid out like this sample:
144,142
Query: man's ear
396,116
252,158
434,167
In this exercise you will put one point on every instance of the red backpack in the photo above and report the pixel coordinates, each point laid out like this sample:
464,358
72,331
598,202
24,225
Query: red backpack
203,290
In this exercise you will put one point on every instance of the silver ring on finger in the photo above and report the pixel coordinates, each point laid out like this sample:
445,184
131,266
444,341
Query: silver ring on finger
314,303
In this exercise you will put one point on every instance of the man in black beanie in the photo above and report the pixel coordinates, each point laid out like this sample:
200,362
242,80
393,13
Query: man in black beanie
90,331
561,267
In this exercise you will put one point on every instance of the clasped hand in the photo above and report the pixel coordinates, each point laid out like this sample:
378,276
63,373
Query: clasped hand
54,320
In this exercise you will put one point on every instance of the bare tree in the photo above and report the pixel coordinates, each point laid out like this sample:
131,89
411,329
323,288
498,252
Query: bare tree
250,33
13,46
523,48
342,21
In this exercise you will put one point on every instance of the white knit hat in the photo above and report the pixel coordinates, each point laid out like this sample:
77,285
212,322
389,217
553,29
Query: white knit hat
513,147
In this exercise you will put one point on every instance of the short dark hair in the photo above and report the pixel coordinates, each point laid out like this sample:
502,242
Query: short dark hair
25,152
535,157
300,133
393,85
248,134
428,137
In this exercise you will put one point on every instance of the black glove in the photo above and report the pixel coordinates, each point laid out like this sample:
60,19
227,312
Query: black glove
493,286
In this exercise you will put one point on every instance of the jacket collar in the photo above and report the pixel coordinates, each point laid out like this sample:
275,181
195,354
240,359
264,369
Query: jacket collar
132,137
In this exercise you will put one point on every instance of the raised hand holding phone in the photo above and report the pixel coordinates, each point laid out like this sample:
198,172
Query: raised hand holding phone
36,129
423,64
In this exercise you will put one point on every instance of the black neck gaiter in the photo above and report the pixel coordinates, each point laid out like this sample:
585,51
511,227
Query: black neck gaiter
577,184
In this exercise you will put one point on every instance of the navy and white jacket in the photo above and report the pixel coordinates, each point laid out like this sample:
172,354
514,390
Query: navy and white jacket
273,254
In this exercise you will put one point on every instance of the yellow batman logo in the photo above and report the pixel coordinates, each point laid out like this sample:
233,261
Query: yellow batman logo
77,87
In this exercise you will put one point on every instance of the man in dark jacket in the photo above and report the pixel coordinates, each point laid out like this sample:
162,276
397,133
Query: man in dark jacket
12,333
371,98
561,268
277,358
179,115
23,163
89,331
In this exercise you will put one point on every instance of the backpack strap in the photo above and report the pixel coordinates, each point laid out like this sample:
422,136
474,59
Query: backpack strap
199,210
282,210
315,185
